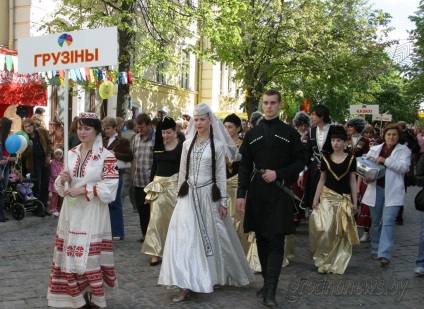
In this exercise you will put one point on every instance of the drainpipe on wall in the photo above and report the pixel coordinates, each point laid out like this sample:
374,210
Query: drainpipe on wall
199,74
11,24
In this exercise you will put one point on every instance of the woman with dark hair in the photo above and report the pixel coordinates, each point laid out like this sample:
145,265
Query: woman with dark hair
202,248
386,195
332,227
83,256
233,125
161,193
37,160
5,125
73,136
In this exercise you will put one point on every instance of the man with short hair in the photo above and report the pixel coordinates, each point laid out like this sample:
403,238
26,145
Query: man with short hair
142,147
319,144
272,157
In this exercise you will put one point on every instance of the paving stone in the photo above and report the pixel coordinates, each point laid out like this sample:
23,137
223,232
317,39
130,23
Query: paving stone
26,250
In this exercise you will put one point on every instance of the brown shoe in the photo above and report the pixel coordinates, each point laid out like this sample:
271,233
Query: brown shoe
374,256
384,262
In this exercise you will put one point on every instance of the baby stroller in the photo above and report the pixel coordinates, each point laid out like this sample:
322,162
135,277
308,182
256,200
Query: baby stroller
16,202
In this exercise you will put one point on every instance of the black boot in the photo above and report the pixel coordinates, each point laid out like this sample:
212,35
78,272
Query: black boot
271,286
263,259
273,274
261,291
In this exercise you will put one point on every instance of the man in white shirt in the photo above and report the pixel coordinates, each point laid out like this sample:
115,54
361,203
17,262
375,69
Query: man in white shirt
319,144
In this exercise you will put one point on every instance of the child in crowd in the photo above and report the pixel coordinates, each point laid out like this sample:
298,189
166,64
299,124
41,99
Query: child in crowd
55,169
23,187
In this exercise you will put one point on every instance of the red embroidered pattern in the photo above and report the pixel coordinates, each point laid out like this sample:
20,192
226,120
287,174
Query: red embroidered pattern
77,233
77,163
90,153
73,284
95,247
109,168
75,251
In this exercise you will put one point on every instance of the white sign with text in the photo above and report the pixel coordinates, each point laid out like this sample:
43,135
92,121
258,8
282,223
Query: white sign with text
364,109
68,50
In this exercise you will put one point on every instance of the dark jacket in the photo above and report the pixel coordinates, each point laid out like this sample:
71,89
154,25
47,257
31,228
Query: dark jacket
46,144
269,210
121,147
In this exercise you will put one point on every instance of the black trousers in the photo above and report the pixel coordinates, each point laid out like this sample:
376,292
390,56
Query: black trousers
143,209
42,174
271,255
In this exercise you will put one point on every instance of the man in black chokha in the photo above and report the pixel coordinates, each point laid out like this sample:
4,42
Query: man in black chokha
272,157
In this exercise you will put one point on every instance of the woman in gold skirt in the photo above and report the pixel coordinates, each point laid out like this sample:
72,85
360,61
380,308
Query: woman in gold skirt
161,193
233,125
332,227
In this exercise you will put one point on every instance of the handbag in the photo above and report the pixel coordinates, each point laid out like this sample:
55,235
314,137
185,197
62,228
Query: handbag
123,165
419,200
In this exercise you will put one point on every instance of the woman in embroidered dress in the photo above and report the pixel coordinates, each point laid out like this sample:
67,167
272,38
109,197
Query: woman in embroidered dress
162,192
385,196
233,125
202,248
83,257
332,228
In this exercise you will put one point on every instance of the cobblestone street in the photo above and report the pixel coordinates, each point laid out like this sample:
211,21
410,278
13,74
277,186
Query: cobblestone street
26,251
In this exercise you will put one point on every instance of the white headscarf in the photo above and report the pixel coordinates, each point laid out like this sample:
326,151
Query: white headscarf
220,133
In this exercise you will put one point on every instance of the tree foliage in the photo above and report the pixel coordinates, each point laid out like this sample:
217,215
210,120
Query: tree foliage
329,49
416,71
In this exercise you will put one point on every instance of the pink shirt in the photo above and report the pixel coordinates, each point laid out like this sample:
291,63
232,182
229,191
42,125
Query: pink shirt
55,169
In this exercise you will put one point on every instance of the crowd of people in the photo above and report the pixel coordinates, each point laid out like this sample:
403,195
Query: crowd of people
217,200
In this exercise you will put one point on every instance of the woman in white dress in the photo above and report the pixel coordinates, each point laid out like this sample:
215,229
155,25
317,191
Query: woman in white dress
83,257
202,248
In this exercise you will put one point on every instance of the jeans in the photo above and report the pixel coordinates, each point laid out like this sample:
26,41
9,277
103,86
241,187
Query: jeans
420,257
116,213
143,209
383,226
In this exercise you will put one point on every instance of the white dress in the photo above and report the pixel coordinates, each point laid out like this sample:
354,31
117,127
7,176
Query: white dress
201,250
83,256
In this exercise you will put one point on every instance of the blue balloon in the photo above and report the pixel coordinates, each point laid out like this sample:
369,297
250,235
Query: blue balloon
13,143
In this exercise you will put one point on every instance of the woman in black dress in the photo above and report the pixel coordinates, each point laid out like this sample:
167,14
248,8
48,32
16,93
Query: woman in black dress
332,227
161,193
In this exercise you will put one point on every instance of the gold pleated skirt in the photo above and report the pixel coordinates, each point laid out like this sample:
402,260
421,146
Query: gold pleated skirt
161,193
253,257
235,216
332,232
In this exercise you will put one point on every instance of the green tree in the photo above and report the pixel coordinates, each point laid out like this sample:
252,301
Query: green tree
284,44
150,32
269,43
416,71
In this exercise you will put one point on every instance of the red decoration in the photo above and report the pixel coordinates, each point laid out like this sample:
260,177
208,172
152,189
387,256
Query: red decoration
306,106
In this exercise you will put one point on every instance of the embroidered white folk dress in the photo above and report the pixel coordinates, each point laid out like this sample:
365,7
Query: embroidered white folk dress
83,257
201,250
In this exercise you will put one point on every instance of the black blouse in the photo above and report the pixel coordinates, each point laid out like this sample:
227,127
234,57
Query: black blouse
338,173
167,163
